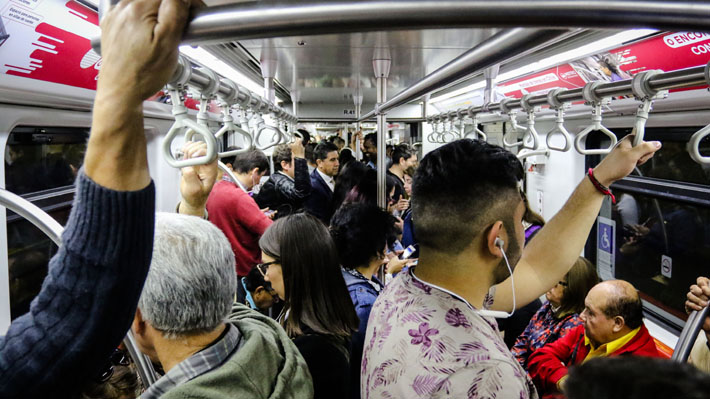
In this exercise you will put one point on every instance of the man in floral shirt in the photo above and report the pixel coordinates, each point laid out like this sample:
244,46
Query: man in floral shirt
426,337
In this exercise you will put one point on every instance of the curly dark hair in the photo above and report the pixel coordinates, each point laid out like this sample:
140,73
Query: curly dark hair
361,232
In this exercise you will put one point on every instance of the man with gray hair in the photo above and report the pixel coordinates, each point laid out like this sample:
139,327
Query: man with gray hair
183,319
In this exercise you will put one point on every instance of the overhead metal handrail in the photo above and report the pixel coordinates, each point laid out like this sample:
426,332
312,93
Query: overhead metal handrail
512,118
530,130
53,230
559,128
684,78
689,334
597,103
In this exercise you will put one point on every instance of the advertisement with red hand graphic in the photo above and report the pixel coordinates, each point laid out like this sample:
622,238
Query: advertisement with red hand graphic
49,40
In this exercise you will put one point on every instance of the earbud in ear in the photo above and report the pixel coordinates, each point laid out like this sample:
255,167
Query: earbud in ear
499,242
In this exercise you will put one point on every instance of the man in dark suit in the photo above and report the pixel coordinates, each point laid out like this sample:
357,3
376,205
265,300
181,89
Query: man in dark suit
319,202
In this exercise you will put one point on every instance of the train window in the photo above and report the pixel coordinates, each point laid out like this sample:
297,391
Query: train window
29,251
661,225
39,159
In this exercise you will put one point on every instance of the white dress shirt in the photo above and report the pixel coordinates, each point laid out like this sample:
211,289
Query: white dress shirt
328,180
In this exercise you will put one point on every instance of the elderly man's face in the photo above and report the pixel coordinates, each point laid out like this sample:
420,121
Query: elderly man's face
597,326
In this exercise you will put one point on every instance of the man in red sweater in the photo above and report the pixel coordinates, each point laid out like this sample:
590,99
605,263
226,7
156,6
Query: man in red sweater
231,208
613,326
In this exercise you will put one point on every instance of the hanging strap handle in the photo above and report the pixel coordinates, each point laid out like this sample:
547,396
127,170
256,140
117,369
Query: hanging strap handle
559,107
644,93
476,131
183,123
504,106
597,102
530,131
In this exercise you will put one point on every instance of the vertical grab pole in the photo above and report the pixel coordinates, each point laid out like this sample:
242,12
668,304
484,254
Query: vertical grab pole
357,99
381,64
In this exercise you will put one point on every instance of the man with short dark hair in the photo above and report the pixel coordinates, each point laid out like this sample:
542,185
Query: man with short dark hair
469,212
369,150
613,326
234,211
289,186
403,159
319,203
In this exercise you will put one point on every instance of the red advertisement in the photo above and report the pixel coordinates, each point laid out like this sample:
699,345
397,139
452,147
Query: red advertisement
668,51
49,40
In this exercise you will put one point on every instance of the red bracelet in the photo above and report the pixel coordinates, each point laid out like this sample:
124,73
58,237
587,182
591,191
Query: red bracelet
600,187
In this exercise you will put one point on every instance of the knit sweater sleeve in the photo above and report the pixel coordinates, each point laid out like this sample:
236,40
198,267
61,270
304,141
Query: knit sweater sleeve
89,297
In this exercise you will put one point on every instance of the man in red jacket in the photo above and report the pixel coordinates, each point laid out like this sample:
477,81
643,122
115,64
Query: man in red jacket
613,326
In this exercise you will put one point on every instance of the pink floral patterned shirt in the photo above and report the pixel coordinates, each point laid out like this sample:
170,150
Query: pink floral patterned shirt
425,342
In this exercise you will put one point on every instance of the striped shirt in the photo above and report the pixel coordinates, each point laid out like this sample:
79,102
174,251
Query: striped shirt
201,362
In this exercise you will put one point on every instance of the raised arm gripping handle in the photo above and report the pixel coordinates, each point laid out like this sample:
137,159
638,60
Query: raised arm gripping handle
183,123
559,128
597,102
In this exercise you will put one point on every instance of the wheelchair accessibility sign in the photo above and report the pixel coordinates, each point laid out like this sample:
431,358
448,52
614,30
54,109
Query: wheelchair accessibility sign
606,239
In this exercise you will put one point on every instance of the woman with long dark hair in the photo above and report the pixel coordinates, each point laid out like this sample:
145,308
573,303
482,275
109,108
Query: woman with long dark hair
301,263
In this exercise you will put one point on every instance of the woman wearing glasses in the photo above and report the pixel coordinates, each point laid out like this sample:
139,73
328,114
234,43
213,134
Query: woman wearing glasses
560,313
301,263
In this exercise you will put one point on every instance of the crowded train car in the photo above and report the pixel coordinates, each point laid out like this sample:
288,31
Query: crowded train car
366,199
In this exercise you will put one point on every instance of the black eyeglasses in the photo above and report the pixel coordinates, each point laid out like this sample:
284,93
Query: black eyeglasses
117,358
264,267
563,283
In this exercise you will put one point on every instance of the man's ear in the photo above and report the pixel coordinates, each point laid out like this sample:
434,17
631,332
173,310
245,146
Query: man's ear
495,231
285,165
229,165
619,323
138,325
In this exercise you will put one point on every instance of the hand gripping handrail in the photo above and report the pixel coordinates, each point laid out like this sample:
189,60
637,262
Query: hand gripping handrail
54,230
689,334
597,102
644,93
513,122
693,146
184,123
560,108
530,130
476,131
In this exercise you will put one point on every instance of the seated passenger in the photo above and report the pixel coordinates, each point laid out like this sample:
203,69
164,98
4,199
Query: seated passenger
290,185
361,234
468,215
698,297
116,380
183,322
89,296
628,377
613,326
260,295
301,264
560,313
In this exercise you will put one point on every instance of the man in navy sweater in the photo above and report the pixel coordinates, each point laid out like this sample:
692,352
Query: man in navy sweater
89,297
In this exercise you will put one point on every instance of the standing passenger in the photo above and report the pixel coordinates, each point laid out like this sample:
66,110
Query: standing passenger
320,202
289,187
234,211
361,233
426,336
301,263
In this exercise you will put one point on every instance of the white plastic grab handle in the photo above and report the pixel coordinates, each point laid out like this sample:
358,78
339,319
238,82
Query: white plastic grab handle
531,132
273,143
516,128
583,134
559,128
596,125
694,146
231,127
531,153
183,122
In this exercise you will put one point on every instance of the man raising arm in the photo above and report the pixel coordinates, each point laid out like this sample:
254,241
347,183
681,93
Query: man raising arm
89,296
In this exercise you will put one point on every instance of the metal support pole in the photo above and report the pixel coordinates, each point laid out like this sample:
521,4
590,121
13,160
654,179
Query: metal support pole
381,64
357,99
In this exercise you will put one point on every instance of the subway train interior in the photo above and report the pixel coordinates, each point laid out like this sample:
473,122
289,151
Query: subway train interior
559,95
